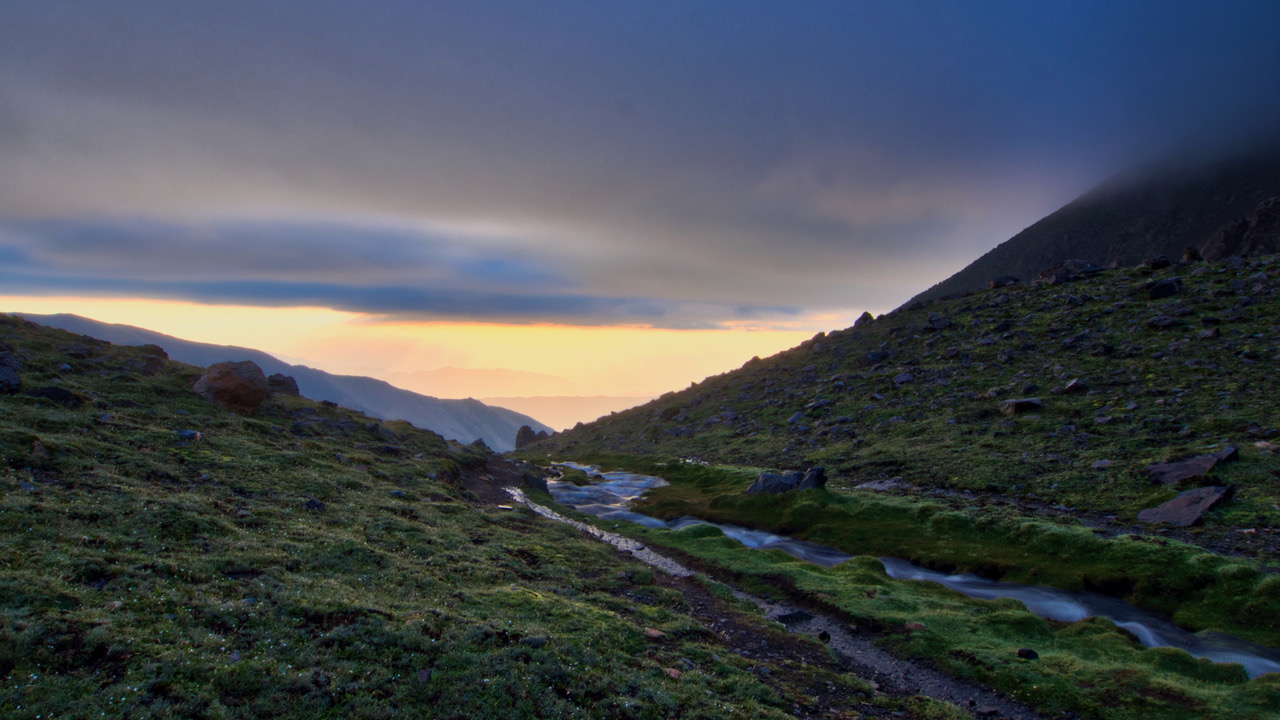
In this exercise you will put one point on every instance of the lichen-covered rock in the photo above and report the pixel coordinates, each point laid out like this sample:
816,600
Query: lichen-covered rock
777,483
240,387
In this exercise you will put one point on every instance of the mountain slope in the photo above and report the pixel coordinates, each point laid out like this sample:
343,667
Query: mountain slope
1125,381
463,420
1129,219
167,559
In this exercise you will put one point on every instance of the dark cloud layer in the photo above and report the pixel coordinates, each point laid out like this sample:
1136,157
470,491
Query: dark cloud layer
625,155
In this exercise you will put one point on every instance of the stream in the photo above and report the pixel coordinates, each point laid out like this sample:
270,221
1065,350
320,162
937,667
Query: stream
610,496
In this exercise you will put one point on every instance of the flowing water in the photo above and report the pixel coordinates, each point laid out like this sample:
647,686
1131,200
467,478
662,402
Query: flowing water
610,496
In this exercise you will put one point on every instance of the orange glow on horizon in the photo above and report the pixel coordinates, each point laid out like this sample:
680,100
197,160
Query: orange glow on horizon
603,360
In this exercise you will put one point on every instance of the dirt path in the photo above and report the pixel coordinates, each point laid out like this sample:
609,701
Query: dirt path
855,649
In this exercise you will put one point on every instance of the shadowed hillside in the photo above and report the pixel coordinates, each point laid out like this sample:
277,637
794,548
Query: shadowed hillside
1149,212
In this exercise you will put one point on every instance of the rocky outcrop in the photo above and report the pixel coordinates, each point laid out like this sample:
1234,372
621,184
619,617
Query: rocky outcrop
1257,233
237,386
525,436
1186,509
281,384
776,483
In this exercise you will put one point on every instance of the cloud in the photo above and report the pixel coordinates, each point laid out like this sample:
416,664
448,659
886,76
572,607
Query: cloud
392,272
644,159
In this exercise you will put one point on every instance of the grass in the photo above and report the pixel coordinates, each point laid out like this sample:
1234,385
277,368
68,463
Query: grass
1092,667
309,562
1148,395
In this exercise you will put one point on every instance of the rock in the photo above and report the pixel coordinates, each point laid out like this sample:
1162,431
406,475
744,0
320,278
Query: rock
1158,262
525,436
776,483
914,627
281,384
795,617
1101,465
1167,287
314,505
1257,233
152,360
1210,334
1191,255
864,319
877,356
236,386
1000,281
795,418
1174,472
1028,654
1187,508
190,435
1018,406
814,478
884,485
58,396
903,378
10,380
1161,322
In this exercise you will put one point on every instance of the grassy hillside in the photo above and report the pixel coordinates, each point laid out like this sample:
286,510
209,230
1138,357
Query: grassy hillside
313,562
1125,381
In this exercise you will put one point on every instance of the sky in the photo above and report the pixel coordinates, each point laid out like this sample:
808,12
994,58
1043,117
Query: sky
629,196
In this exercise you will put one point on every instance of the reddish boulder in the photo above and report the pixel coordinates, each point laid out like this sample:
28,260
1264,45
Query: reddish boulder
237,386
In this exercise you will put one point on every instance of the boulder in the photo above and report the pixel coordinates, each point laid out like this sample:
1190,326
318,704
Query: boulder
240,387
1174,472
864,319
10,380
1167,287
281,384
1187,508
1018,406
58,396
777,483
894,483
1000,281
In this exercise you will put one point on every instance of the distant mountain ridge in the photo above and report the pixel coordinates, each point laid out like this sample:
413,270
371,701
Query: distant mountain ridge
462,420
1135,216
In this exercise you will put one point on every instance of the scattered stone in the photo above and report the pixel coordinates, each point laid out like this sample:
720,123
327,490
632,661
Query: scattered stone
1191,255
1170,473
1161,322
1018,406
895,483
236,386
903,379
190,435
1187,508
654,633
1102,465
534,641
1210,334
281,384
914,627
1000,281
314,505
672,673
1158,262
1028,654
424,676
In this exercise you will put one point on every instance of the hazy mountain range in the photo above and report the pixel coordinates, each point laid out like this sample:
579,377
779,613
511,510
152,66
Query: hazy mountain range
463,420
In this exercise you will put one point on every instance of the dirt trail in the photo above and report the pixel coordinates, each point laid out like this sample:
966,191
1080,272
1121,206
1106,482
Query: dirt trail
856,649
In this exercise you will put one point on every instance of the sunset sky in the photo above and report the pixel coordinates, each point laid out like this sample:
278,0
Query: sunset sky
629,196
